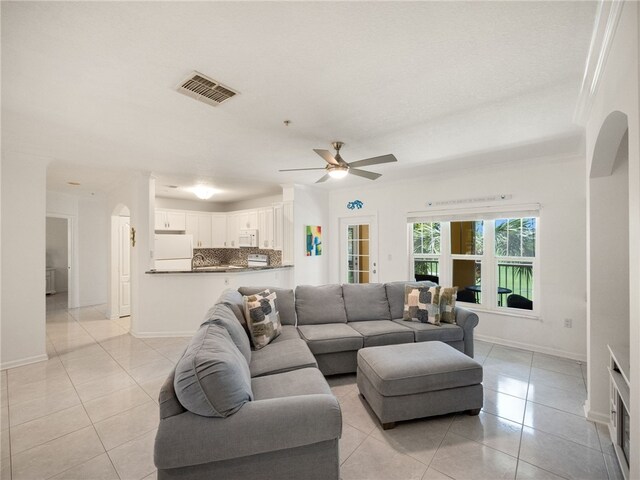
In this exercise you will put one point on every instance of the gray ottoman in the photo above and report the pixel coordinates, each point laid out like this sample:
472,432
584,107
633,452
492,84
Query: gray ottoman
414,380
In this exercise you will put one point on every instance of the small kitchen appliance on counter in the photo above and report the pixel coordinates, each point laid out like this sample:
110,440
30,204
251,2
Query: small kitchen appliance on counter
257,260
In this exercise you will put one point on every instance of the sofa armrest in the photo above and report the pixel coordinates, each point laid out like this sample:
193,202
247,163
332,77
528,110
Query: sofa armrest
258,427
467,320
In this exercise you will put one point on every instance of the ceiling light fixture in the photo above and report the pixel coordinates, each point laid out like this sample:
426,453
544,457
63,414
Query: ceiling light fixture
203,192
337,171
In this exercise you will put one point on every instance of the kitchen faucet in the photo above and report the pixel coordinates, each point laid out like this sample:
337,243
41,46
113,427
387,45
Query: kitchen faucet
197,255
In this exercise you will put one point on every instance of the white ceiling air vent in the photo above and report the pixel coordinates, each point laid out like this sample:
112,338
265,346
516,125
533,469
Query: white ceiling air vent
205,89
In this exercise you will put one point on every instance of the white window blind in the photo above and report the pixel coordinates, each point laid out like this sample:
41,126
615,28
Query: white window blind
475,213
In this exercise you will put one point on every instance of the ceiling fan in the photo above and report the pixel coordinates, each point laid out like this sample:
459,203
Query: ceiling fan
337,168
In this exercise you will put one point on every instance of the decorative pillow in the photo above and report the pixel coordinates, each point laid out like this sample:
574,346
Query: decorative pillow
262,318
421,304
448,304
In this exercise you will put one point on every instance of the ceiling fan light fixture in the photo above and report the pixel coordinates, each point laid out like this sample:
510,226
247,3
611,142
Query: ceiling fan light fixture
203,192
338,171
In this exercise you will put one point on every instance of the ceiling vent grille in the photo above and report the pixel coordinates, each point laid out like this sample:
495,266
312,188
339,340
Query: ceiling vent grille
205,89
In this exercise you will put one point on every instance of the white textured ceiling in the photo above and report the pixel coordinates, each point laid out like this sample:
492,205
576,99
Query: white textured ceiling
92,84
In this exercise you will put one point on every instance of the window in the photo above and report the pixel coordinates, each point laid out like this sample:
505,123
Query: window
515,251
426,250
480,257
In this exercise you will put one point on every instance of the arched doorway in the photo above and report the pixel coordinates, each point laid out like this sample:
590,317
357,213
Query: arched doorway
119,263
608,258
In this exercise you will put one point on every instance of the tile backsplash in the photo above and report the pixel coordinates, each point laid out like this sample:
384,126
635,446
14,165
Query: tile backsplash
236,256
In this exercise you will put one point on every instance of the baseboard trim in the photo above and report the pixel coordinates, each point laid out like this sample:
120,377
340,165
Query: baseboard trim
597,417
24,361
162,334
534,348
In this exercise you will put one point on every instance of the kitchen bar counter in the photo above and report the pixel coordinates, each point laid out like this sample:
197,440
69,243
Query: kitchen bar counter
219,269
178,301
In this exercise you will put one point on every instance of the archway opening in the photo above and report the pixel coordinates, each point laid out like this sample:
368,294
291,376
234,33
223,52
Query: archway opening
608,258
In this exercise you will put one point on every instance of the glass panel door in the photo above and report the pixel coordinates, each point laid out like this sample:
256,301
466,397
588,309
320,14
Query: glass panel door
358,261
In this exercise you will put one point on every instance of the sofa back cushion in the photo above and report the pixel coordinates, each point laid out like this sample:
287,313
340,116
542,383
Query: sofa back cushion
233,299
365,301
285,302
223,316
320,304
212,378
395,295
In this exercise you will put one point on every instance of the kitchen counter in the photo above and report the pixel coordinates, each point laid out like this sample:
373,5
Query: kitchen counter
219,269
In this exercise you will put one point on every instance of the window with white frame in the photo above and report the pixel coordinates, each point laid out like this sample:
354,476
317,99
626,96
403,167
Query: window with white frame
493,261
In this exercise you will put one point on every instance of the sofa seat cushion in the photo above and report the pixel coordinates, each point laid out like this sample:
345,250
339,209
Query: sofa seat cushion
212,377
285,303
289,332
320,304
383,332
281,357
306,381
417,368
365,301
425,332
330,338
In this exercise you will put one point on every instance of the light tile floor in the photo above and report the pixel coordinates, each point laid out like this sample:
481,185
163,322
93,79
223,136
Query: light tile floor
90,412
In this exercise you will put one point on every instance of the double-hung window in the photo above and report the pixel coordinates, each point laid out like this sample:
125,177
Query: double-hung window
492,257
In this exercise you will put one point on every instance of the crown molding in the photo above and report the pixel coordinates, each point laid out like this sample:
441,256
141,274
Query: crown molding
604,29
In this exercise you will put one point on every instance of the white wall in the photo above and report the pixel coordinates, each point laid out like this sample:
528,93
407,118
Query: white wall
558,185
252,203
310,207
618,91
93,229
184,204
22,331
58,251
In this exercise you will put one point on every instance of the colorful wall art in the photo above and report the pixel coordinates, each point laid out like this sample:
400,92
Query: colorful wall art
314,240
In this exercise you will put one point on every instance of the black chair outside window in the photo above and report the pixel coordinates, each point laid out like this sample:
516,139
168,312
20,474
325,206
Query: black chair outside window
518,301
466,296
430,278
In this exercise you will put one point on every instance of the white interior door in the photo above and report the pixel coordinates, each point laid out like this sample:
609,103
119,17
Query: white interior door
358,250
124,271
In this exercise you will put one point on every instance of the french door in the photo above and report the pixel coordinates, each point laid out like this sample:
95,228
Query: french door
358,250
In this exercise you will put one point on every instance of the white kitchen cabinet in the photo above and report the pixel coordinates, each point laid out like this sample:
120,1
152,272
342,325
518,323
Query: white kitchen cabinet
233,230
169,220
198,225
265,227
248,219
218,230
277,226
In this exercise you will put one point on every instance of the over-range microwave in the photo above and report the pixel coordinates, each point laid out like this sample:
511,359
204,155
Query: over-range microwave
248,238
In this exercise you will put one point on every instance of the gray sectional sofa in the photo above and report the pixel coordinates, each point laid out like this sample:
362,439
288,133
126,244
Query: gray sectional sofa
269,413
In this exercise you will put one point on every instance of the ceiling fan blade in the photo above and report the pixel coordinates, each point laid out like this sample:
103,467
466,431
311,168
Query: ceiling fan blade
374,161
326,154
364,173
300,169
324,179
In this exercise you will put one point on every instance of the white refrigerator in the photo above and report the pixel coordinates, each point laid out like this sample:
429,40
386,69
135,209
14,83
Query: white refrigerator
173,252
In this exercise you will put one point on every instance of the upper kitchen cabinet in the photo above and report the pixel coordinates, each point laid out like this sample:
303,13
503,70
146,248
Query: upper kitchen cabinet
233,230
170,221
248,220
219,230
199,226
265,228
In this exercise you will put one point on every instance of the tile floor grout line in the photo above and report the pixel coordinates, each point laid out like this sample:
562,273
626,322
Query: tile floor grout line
524,413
